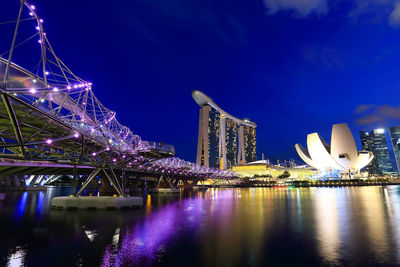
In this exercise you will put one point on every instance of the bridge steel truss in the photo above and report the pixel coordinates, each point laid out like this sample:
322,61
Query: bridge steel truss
49,114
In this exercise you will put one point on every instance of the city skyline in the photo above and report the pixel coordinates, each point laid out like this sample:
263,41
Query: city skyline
273,58
96,152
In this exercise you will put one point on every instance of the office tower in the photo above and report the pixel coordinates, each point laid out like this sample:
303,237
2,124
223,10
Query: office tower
395,137
223,140
375,141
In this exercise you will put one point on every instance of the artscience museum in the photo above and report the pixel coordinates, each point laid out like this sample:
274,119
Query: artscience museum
341,155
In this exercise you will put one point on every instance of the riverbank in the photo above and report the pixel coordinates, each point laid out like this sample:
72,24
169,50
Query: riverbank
329,183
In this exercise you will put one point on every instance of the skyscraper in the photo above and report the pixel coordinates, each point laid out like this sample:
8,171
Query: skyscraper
249,136
395,137
224,140
375,141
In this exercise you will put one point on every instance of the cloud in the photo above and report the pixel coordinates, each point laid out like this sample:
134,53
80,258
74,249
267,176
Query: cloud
394,18
373,11
301,7
323,57
376,11
363,108
374,115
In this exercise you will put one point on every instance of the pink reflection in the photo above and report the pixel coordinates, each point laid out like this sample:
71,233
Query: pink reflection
150,238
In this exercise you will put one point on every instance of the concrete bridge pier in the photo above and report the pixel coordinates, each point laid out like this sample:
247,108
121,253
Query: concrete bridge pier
165,185
99,202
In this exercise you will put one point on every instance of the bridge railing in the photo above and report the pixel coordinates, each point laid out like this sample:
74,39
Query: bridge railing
157,146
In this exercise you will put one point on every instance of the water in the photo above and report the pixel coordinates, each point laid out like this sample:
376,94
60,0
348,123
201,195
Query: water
356,226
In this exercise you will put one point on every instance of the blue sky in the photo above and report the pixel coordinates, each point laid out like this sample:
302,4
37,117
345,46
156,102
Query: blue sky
292,66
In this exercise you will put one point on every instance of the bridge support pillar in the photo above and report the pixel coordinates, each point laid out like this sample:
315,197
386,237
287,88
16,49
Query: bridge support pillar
88,180
166,179
74,177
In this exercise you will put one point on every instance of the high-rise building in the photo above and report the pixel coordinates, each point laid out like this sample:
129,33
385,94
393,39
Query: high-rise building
224,140
395,137
249,136
375,142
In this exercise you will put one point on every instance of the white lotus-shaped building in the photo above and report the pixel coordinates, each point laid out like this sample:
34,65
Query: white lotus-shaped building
341,155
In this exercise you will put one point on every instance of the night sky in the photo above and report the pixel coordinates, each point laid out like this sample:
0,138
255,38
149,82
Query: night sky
291,66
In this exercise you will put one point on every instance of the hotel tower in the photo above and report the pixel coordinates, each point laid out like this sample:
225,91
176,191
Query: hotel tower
224,140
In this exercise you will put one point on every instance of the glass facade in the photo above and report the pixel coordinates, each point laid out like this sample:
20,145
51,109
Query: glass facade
213,137
395,137
231,131
221,139
375,141
250,149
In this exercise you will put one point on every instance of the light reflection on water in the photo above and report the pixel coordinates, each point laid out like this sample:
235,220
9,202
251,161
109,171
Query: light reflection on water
220,227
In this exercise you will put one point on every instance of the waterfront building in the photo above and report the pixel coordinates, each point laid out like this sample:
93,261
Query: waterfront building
375,142
263,170
223,140
395,138
341,155
249,136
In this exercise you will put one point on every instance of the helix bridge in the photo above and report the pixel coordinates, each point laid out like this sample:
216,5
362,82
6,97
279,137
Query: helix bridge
52,124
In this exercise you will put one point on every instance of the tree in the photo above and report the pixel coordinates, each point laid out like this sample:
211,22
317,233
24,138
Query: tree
284,175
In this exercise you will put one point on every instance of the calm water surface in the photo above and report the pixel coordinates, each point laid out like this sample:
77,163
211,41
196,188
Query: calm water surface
352,226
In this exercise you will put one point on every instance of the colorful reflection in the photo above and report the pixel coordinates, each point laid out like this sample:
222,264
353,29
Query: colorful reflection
20,209
357,226
149,238
327,226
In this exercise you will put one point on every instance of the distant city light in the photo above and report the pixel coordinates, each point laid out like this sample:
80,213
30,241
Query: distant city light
379,131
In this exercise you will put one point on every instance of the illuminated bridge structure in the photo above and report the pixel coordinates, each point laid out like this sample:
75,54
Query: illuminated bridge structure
52,124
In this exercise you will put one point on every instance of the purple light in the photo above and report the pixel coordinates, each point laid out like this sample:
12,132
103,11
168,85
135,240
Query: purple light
30,14
49,141
41,20
40,41
32,91
94,154
114,160
55,89
76,135
37,28
33,7
69,87
108,149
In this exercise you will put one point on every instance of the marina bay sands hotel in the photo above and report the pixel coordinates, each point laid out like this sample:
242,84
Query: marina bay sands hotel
224,140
